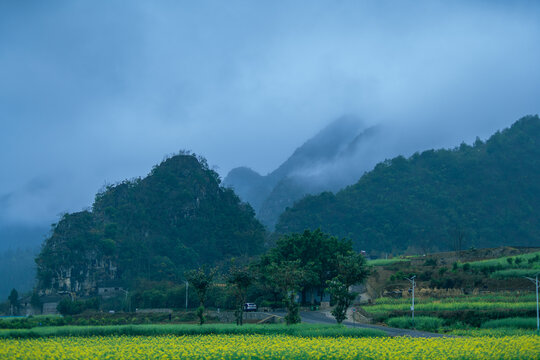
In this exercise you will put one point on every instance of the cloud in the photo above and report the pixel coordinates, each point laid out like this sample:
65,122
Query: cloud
99,92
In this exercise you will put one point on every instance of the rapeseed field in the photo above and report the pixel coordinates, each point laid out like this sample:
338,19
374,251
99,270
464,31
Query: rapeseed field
270,347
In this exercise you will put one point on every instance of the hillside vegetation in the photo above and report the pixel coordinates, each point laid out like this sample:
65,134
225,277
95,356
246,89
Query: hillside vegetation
155,228
484,195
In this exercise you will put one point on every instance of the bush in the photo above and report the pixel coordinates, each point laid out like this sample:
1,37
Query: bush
430,262
426,323
70,307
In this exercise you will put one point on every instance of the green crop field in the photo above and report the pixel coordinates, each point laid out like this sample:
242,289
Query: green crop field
384,262
525,261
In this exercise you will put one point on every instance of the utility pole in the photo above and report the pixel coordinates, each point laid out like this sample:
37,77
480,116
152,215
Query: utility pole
535,281
413,286
127,300
187,286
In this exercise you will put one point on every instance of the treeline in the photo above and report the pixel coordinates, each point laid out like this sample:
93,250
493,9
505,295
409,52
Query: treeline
311,261
484,195
300,264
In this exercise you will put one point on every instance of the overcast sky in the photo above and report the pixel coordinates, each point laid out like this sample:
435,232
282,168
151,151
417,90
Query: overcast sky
94,92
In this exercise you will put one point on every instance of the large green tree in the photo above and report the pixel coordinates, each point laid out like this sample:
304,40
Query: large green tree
289,277
352,270
201,279
316,254
239,279
14,301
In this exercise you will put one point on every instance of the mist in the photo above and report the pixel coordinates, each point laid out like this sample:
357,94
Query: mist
94,93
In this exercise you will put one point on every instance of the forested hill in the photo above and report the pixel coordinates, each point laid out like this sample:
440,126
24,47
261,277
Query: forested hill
155,228
483,195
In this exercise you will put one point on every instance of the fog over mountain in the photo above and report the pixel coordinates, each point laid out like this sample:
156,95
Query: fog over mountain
92,93
335,157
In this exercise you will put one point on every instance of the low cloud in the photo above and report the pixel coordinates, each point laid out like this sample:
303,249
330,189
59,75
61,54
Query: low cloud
98,92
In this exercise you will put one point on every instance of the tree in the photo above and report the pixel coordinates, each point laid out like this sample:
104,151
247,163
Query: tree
201,279
289,277
35,301
14,301
352,270
316,254
239,279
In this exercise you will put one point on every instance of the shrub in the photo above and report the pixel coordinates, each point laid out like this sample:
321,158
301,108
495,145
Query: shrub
70,307
430,262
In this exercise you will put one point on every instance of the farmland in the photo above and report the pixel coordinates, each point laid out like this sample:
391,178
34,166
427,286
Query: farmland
486,321
270,347
467,289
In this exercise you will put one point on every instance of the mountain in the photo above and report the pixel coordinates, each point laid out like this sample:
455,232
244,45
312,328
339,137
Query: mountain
309,170
484,195
155,228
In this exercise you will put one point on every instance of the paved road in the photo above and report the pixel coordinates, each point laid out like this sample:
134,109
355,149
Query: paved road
315,317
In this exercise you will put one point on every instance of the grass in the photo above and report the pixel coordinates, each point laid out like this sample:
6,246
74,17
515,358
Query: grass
451,306
514,273
511,323
499,332
426,323
506,297
463,310
384,262
300,330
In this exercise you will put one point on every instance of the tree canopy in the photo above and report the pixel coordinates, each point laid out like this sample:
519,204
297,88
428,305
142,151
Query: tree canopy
316,253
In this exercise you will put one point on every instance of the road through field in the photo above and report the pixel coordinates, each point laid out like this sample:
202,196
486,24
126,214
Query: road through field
316,317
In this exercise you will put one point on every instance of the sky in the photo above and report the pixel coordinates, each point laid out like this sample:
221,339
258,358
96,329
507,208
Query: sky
94,92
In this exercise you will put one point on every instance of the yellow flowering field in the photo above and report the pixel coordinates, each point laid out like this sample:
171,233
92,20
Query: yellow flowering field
270,347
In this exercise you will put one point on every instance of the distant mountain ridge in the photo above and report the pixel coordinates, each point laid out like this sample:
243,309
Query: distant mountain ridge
302,172
485,195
